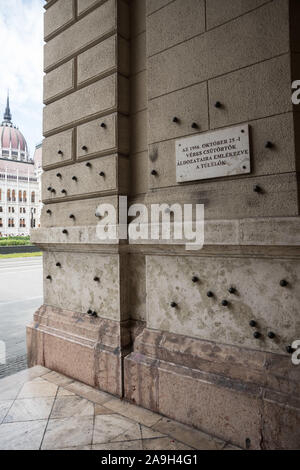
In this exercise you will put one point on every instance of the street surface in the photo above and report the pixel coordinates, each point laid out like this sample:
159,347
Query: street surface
21,293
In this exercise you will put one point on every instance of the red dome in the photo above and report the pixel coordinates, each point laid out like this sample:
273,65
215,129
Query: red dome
11,137
13,145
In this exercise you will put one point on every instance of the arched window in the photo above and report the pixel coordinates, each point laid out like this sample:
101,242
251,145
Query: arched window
8,194
33,196
13,195
24,196
20,196
0,194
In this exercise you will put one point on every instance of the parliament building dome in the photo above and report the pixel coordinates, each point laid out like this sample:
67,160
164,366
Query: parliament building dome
13,145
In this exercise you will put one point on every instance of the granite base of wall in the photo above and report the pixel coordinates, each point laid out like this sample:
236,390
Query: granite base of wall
87,349
249,398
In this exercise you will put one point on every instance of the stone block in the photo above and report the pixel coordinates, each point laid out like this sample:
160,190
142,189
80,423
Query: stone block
280,427
225,387
79,179
109,372
69,358
138,92
227,413
58,149
188,106
84,5
270,231
186,17
113,137
110,55
72,286
59,81
279,130
262,34
110,15
243,93
84,213
273,371
258,297
107,95
153,5
72,345
77,235
229,199
219,12
141,381
215,408
58,16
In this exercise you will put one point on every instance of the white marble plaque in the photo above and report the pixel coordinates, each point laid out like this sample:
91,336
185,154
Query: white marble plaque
213,154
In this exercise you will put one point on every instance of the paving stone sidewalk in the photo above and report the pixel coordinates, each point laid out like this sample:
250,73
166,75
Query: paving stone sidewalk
40,409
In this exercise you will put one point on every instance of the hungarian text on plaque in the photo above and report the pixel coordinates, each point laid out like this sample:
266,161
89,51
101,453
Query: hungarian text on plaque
225,152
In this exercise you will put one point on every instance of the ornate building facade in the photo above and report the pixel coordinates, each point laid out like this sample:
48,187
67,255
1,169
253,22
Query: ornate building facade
20,195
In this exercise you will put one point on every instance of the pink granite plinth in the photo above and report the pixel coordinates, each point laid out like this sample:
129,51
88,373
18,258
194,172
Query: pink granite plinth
86,349
248,398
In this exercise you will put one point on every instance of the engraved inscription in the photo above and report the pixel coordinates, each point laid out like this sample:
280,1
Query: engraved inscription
213,154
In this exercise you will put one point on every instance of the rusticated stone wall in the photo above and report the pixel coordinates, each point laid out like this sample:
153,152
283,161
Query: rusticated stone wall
134,66
82,329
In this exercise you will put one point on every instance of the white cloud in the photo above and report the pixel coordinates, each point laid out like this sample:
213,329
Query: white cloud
21,64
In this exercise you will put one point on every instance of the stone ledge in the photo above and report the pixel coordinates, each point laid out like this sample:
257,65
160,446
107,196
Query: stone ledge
230,410
253,368
244,232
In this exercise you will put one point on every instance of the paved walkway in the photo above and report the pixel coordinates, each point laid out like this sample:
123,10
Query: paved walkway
21,293
40,409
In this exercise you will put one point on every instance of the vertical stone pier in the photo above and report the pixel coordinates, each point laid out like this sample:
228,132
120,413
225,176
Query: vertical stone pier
81,330
201,337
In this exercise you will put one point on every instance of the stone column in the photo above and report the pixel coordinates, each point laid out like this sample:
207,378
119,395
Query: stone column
214,64
82,328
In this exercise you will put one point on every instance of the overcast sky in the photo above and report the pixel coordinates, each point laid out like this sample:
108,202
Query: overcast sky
21,65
